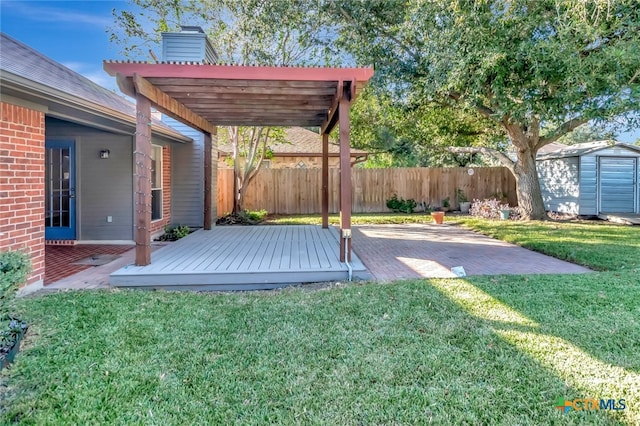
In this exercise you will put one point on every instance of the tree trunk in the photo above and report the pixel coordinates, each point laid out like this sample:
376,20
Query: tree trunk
528,186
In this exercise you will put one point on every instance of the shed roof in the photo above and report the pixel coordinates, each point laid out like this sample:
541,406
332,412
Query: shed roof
301,141
27,73
580,149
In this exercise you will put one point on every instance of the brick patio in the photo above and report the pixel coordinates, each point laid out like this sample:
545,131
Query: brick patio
393,252
59,259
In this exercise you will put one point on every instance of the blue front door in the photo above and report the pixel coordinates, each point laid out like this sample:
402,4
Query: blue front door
60,190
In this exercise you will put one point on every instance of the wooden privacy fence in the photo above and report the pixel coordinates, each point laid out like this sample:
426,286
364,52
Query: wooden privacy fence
297,191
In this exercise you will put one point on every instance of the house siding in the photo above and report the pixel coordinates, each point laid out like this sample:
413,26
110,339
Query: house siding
104,186
22,184
187,177
190,47
560,184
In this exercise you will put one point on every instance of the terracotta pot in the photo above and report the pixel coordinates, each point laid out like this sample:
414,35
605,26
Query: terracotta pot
438,217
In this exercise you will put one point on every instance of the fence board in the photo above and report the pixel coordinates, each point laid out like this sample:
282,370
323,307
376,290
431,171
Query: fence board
298,191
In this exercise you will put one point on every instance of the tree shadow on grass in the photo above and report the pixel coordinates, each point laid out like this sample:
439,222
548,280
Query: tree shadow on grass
542,336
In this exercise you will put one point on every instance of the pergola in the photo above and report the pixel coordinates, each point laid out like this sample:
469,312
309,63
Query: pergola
206,96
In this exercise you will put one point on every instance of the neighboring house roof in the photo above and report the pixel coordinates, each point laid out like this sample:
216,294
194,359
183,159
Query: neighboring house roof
28,74
302,142
580,149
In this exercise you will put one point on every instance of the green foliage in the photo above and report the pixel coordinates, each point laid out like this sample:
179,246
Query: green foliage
536,69
14,268
446,203
461,196
401,205
518,61
587,133
245,217
400,134
173,233
257,214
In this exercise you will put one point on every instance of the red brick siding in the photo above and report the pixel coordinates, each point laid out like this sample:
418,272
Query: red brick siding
159,225
22,184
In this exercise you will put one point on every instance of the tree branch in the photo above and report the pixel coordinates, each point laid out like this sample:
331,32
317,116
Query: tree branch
500,156
482,109
560,131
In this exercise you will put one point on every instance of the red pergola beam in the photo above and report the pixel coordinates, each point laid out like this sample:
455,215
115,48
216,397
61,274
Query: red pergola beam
237,72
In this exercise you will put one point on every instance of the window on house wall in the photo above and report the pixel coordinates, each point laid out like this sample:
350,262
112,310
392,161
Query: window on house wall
156,182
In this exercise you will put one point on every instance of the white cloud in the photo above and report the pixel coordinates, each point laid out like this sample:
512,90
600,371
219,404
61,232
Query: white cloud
93,73
58,15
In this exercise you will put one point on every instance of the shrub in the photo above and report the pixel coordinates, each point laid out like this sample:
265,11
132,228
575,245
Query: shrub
245,217
462,197
173,233
488,208
256,215
400,205
14,268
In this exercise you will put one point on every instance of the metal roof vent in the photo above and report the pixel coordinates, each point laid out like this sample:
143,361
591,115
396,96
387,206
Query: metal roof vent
189,45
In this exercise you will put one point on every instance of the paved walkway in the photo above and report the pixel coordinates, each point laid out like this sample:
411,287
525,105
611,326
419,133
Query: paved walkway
393,252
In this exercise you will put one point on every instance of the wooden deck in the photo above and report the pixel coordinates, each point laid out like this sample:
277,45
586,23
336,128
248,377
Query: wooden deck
244,258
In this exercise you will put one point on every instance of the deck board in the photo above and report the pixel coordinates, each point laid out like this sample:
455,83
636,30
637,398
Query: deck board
236,257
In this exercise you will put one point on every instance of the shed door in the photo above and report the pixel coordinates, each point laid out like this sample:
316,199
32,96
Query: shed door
617,184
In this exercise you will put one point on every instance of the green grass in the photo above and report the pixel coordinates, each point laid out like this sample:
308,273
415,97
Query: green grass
356,219
483,350
407,353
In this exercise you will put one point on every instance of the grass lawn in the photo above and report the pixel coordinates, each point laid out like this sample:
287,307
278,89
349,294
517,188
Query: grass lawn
482,350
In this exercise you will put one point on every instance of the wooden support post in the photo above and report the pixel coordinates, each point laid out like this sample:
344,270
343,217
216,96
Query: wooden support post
345,175
210,181
142,178
325,180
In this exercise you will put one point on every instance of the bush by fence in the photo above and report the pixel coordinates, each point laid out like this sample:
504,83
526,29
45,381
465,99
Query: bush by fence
298,191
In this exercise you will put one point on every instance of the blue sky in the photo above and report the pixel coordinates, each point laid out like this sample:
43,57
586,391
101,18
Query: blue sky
74,33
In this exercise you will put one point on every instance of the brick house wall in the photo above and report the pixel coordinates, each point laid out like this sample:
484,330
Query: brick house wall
22,184
157,226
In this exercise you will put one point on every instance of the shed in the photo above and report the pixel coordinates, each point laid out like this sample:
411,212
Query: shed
591,178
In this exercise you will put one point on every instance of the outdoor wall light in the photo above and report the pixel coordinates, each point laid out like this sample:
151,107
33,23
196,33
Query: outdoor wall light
104,154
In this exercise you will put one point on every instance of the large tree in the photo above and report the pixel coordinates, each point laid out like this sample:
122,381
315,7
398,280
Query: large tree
243,32
410,134
524,64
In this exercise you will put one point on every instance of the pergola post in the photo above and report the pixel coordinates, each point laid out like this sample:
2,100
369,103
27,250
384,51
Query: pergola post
325,180
210,180
142,158
345,174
